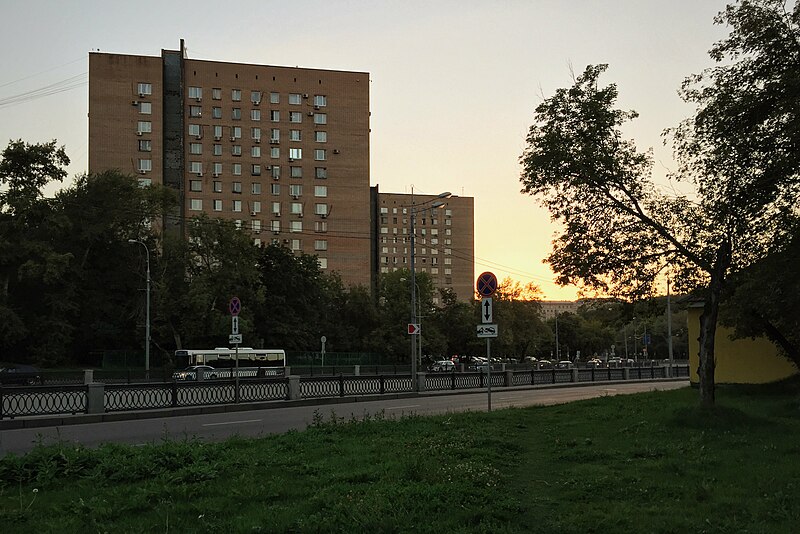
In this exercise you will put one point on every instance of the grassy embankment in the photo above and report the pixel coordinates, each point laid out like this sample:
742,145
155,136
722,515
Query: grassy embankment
646,463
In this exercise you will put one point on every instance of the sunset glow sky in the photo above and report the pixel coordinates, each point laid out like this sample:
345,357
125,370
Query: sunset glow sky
453,83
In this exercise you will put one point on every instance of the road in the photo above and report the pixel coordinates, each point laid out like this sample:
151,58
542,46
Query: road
217,427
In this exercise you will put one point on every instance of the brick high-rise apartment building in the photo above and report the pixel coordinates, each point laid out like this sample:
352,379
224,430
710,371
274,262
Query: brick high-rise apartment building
283,151
444,238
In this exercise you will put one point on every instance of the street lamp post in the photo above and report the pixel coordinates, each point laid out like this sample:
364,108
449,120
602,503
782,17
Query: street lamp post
434,204
147,311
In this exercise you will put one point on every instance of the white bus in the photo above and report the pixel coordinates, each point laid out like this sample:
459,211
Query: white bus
273,361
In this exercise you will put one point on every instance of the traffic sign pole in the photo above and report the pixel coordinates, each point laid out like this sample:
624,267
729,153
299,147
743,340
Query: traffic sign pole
486,285
235,306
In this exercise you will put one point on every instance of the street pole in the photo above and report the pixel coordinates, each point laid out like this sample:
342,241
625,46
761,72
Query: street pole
147,311
414,385
669,329
558,358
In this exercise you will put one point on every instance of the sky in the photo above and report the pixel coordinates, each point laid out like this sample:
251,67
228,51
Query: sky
454,84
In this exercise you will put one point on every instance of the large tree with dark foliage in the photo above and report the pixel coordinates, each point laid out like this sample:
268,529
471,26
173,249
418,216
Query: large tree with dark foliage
620,232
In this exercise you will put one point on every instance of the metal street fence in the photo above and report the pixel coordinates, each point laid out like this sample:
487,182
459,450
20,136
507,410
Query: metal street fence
19,401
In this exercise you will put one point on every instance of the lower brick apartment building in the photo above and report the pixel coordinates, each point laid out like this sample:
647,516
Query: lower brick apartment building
282,151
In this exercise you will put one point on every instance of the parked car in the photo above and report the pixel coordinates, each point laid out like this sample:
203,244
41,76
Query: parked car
190,373
564,364
442,366
594,362
545,364
20,374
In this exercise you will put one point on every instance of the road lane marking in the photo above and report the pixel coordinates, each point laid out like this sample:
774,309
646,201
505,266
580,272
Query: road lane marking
233,422
404,407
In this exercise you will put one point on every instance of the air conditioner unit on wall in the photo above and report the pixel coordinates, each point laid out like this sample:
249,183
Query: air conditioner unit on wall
134,102
310,113
257,140
138,133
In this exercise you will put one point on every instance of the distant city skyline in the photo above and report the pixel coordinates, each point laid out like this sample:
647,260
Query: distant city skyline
453,88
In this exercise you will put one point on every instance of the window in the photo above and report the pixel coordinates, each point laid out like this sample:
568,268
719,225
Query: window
295,135
295,190
275,171
448,213
145,108
145,145
217,186
217,204
255,97
195,111
321,209
255,114
236,114
257,206
297,172
274,98
321,137
255,169
196,167
236,95
195,148
217,132
237,169
384,210
276,189
321,173
276,207
217,169
255,133
144,88
255,151
236,132
295,153
195,185
236,150
320,154
216,112
217,150
320,244
256,226
147,127
295,244
216,93
294,99
274,134
274,152
296,208
195,92
320,100
275,115
276,226
320,118
320,190
321,226
295,116
236,187
296,226
323,263
145,165
196,204
237,205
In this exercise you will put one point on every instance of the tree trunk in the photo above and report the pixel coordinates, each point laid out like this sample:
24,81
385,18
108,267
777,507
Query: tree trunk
777,337
708,325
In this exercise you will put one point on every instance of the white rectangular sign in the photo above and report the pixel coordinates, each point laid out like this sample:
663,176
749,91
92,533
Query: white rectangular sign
487,330
234,324
235,338
486,310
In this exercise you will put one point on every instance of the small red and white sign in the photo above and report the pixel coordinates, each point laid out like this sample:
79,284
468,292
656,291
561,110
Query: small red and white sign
414,329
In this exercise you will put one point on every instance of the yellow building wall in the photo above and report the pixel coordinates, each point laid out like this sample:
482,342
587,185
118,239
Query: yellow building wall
740,361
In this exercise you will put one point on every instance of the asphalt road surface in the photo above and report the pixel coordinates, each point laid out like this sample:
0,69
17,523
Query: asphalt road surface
217,427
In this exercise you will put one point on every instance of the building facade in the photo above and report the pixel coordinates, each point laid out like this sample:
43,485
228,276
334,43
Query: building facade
551,308
282,151
444,238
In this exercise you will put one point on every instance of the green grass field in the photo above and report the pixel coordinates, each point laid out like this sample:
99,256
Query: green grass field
651,462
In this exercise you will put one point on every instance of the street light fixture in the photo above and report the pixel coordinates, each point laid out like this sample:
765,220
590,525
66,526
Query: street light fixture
432,203
147,311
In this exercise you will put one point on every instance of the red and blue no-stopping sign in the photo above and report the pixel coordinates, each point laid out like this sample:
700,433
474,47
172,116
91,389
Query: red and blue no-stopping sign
486,284
235,306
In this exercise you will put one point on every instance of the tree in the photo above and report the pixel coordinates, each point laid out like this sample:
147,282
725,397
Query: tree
621,233
518,310
31,266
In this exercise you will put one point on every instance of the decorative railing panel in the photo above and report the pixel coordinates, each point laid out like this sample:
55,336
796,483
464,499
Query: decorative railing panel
42,400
